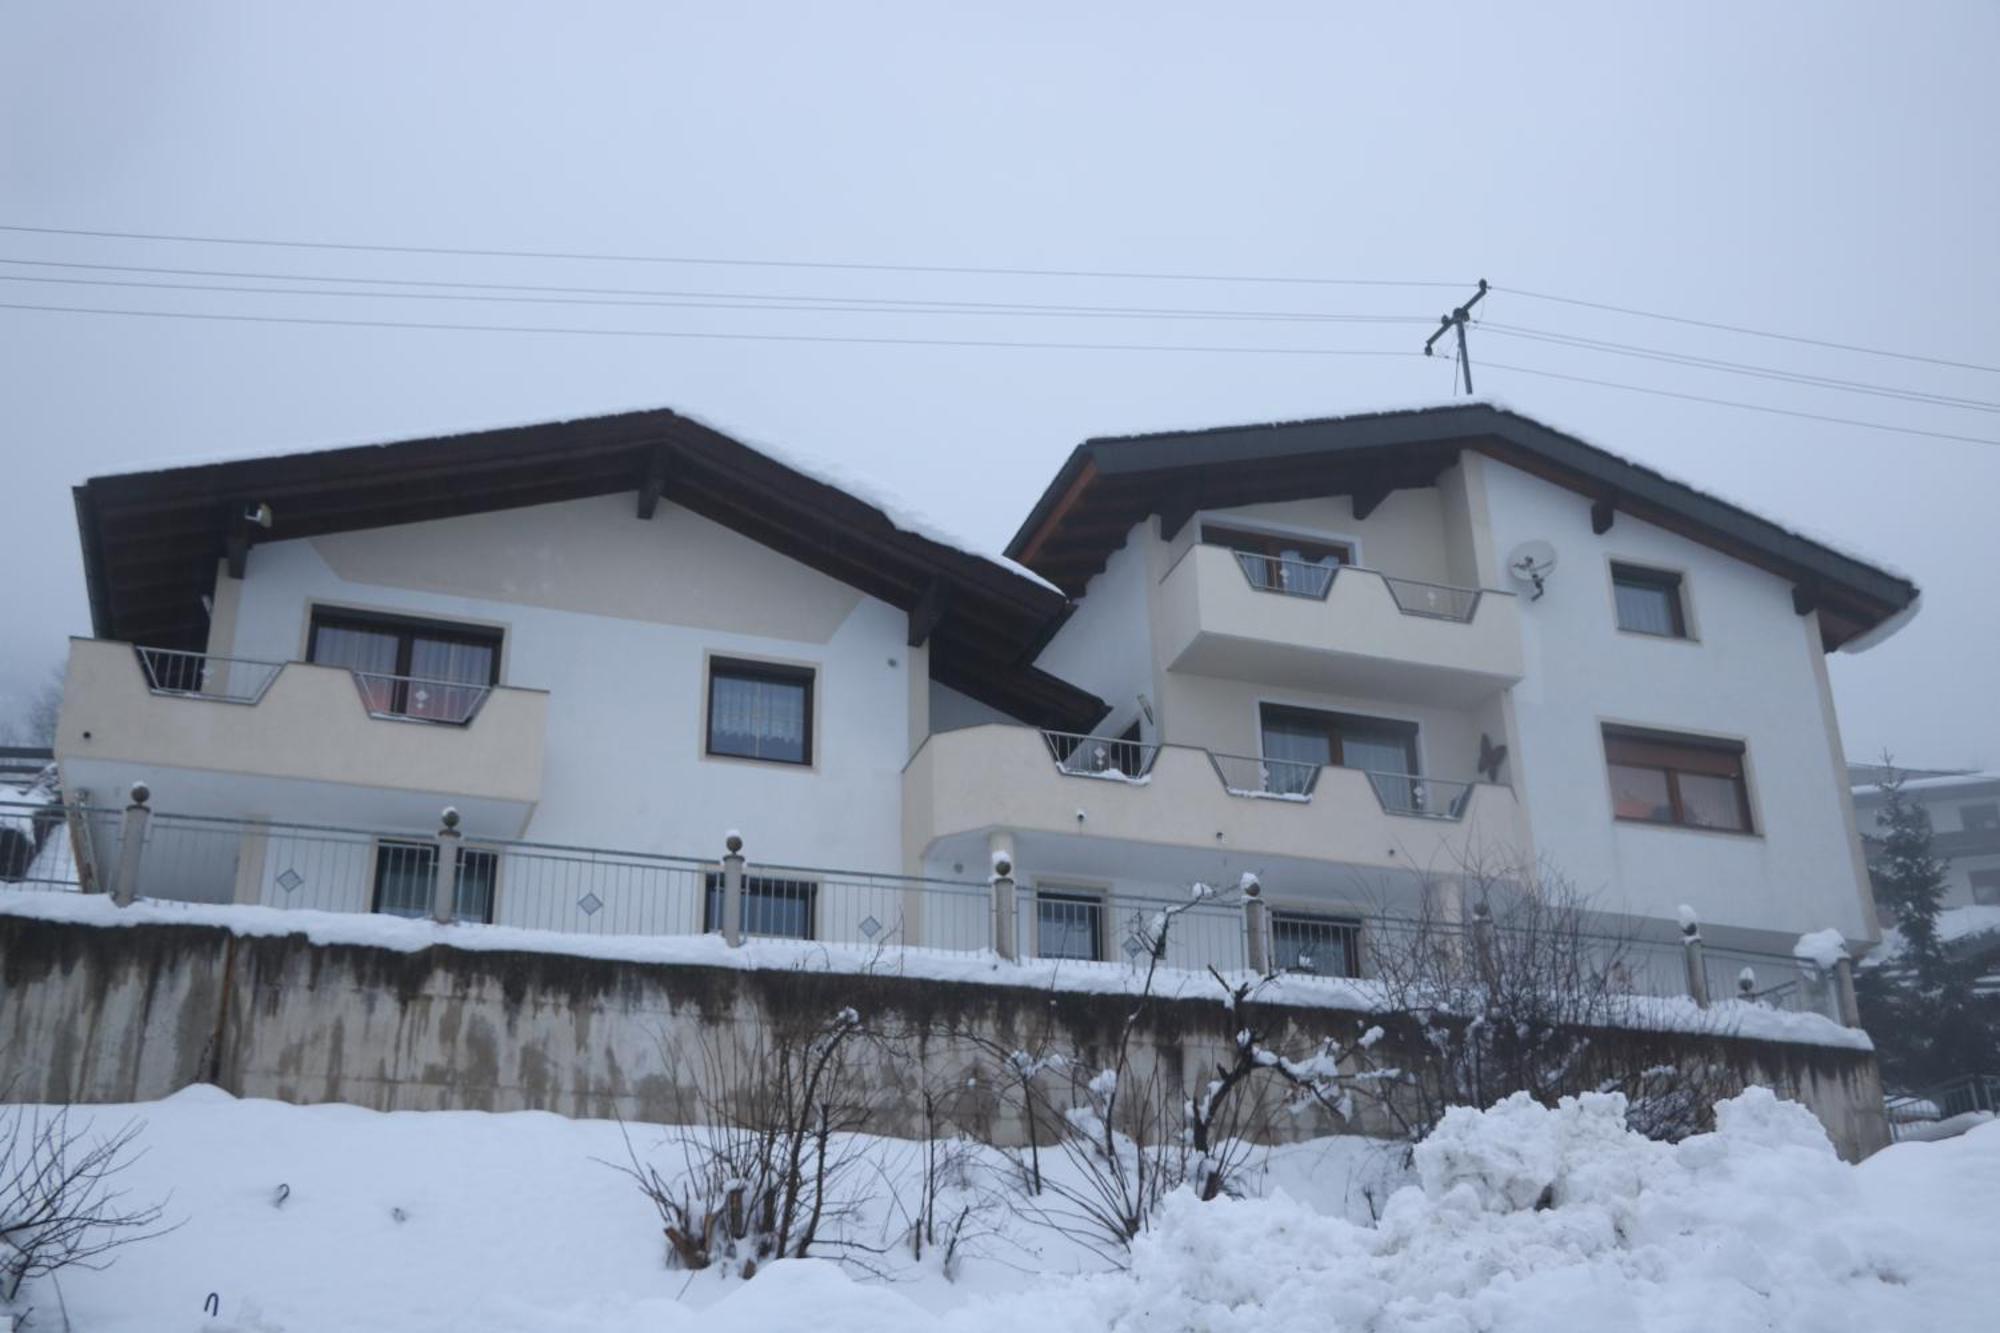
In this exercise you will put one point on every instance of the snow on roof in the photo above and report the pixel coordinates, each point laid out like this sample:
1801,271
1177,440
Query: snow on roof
1941,782
899,513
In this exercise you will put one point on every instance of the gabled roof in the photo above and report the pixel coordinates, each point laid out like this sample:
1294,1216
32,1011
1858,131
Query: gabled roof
152,541
1109,484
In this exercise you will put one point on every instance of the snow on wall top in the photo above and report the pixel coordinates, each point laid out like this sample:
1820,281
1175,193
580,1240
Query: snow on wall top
1731,1018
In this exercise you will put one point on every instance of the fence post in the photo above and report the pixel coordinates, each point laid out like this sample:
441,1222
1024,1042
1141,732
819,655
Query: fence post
1697,965
732,890
131,844
1256,926
444,885
1746,984
1005,922
1843,993
1482,940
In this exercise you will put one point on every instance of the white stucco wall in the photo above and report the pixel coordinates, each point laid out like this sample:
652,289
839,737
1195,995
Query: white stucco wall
615,617
1753,674
1106,645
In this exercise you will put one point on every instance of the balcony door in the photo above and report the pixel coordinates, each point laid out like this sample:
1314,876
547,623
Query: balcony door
1299,741
431,670
1279,563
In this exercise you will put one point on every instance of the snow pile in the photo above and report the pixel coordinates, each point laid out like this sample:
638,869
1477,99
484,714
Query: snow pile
1536,1219
1525,1218
1822,948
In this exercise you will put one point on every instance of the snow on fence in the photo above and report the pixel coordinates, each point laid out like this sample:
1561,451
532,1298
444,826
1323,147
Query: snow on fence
453,875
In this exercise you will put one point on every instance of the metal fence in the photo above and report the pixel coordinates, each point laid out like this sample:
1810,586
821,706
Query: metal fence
1100,756
1437,601
1294,578
595,891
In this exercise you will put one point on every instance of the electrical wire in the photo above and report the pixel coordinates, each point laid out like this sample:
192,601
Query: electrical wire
1777,373
1485,365
613,297
705,335
851,267
1745,330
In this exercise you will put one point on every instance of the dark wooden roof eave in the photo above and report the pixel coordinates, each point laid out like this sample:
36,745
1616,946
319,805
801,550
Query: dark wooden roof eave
1098,495
152,542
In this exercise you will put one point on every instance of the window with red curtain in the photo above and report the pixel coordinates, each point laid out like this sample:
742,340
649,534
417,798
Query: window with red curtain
1662,778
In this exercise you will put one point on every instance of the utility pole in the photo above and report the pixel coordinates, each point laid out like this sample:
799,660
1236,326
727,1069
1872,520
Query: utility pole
1456,320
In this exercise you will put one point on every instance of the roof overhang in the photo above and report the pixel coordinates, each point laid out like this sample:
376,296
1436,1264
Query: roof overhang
153,542
1108,485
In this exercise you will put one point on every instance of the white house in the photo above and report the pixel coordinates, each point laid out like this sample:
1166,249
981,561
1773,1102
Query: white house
1356,658
1964,809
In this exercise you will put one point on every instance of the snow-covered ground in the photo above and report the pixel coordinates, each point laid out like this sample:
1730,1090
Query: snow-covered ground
1519,1218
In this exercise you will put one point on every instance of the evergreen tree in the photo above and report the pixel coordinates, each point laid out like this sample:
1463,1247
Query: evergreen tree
1921,1005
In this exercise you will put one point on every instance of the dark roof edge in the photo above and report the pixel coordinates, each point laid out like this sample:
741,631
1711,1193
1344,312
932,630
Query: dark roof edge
1589,463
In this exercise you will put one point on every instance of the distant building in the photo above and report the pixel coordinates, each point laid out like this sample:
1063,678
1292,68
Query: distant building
1964,807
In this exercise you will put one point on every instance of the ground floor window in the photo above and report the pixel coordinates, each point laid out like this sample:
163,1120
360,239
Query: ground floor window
774,908
1323,945
1069,925
406,873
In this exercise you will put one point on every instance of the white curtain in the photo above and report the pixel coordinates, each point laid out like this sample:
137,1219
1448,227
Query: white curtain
765,719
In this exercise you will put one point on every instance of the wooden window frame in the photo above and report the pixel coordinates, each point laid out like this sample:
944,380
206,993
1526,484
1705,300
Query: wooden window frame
1656,580
407,629
750,668
1674,754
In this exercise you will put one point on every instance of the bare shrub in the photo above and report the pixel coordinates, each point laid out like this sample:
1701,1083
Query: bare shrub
61,1204
767,1157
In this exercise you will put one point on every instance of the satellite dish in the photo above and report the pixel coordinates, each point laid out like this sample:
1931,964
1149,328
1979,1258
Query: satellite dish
1531,563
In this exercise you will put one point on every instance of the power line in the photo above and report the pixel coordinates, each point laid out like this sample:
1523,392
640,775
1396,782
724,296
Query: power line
852,267
1749,332
1748,407
635,298
689,334
1777,373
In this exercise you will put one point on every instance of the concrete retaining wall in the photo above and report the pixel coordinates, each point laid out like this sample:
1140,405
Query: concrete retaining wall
95,1014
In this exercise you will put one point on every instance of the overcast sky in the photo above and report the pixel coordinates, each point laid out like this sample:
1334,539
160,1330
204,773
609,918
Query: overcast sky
1824,169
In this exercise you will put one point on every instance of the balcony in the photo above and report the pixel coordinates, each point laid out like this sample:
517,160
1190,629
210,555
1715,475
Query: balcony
1337,629
295,740
998,777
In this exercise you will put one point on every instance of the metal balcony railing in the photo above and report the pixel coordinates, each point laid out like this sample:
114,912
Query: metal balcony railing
1413,597
232,680
1408,794
1100,756
420,699
1252,775
1436,601
1294,578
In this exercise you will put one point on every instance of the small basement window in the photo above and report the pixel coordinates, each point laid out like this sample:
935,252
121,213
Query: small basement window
1649,601
1322,945
1069,925
760,710
1662,778
774,908
405,873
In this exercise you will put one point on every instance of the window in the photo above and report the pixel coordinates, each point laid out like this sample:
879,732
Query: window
1649,601
760,710
406,872
1299,741
1985,887
426,669
1659,778
777,908
1281,564
1069,925
1982,818
1324,946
